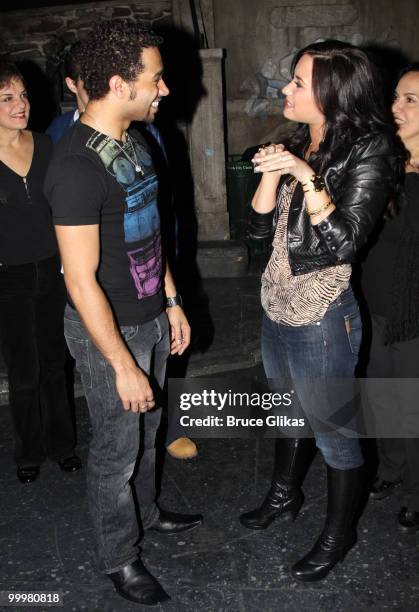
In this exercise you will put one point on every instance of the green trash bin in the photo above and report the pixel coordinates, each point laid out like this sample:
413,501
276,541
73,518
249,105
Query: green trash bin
241,186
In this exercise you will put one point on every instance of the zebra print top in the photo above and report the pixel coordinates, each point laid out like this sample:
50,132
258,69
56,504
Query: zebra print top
297,300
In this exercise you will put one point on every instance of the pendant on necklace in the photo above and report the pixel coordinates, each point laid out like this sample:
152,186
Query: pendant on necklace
139,169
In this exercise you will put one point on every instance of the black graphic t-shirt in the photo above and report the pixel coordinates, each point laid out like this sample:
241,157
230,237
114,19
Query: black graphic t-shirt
92,179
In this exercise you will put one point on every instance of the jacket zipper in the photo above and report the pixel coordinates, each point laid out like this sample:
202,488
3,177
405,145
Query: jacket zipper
28,193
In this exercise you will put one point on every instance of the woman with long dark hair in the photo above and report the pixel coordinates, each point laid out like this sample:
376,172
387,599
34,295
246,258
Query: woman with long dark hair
32,293
391,285
328,186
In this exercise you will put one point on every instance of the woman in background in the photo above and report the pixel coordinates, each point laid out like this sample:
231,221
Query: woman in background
391,286
32,294
329,186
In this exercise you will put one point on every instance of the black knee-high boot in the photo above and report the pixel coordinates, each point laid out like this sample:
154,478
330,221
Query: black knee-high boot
339,533
292,460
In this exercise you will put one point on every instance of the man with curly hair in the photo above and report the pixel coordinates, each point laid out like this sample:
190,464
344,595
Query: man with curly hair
178,444
124,316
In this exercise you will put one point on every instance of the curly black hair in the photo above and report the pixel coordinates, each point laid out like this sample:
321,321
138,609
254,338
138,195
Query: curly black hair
114,47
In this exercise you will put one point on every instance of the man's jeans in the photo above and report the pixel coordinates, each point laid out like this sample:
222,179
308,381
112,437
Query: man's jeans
121,464
310,355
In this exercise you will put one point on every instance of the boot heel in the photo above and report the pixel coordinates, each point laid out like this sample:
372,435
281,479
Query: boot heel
345,550
293,512
343,555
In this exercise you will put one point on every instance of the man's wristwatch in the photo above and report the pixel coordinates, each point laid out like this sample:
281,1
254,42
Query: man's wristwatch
174,301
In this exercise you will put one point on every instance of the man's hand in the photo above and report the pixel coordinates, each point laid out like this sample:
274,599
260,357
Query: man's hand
134,389
180,331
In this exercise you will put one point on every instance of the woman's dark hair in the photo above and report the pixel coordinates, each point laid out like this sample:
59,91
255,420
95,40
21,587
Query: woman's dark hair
114,47
348,91
8,72
413,67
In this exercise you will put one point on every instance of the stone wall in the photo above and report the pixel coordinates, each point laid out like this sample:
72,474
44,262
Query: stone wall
42,34
260,36
257,36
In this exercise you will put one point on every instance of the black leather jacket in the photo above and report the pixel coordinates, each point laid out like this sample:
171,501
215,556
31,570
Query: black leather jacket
360,186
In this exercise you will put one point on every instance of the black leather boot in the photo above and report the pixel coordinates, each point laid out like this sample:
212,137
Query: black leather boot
134,582
339,533
292,460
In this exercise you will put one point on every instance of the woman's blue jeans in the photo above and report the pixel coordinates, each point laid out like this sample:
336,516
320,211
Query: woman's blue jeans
310,355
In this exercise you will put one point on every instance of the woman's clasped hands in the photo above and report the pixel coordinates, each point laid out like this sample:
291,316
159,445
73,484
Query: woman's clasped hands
276,158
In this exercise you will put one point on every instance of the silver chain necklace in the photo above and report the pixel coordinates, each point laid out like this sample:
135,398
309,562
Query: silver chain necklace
129,141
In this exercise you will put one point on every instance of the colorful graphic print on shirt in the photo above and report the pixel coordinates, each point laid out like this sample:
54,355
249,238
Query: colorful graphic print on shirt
141,216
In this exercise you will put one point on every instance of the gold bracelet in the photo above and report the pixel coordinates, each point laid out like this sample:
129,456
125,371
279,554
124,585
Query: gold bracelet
322,208
317,182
